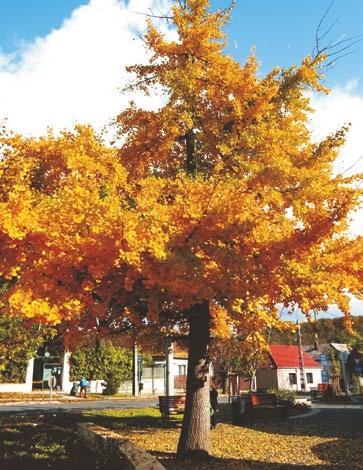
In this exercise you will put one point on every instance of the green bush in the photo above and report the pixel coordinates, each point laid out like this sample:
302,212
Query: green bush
282,394
107,362
112,383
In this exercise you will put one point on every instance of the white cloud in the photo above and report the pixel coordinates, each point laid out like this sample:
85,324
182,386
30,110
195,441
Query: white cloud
74,74
343,106
340,107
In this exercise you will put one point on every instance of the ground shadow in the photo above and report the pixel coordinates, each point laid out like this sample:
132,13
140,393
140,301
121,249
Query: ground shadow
39,446
341,453
341,426
171,462
329,423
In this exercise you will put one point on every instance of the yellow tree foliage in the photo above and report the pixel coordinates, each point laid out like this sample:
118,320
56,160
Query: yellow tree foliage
216,207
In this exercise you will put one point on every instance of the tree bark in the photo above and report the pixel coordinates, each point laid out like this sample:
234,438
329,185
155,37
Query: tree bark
191,161
194,438
225,383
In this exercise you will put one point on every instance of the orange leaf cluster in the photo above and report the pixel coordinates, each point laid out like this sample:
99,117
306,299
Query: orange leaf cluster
218,196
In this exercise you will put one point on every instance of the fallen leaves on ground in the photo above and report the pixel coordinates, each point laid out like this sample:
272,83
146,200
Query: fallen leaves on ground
315,444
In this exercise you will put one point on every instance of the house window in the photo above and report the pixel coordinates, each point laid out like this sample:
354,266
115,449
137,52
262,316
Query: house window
292,379
309,377
182,370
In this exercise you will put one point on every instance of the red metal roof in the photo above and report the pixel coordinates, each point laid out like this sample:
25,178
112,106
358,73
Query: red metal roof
287,355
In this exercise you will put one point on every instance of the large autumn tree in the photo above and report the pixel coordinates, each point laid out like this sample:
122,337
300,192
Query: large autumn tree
215,208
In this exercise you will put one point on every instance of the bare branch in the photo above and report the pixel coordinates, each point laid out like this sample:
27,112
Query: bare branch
152,15
336,49
346,170
318,29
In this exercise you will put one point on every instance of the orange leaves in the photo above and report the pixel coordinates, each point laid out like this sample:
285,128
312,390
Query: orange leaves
221,326
219,196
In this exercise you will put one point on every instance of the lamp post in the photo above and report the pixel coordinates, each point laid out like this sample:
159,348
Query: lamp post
301,359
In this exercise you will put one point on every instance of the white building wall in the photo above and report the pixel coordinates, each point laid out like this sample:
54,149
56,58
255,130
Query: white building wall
150,386
22,387
283,378
316,378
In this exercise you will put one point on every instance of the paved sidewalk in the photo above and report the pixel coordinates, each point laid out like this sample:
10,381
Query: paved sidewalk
87,404
114,403
54,406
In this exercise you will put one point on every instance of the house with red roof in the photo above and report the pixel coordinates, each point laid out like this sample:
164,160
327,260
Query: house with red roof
284,367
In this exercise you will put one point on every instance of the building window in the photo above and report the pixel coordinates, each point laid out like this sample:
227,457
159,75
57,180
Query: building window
309,377
182,370
292,379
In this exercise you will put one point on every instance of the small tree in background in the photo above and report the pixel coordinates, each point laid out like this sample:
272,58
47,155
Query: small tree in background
103,362
18,344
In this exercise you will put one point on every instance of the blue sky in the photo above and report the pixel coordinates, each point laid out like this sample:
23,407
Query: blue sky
282,30
23,20
63,61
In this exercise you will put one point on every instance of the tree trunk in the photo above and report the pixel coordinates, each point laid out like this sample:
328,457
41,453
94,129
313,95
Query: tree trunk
194,438
224,383
191,161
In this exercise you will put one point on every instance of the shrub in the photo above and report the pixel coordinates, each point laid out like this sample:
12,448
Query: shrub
112,383
107,362
282,394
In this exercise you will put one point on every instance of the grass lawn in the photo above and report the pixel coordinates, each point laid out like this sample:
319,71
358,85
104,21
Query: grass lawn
322,442
30,444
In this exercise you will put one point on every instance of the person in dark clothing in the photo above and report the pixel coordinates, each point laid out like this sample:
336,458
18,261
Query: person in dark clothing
213,398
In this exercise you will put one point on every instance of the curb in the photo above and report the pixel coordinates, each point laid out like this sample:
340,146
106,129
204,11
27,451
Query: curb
313,412
116,448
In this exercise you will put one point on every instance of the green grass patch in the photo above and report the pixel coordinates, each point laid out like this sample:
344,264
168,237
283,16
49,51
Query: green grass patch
33,444
137,418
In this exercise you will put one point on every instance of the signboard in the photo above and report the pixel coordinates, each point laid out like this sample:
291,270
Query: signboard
324,377
323,359
325,365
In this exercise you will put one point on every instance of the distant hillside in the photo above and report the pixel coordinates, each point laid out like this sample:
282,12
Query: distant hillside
328,330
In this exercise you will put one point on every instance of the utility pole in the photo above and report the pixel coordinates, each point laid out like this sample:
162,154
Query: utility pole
316,339
301,358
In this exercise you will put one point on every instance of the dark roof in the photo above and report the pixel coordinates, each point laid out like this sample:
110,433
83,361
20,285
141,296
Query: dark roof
287,355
